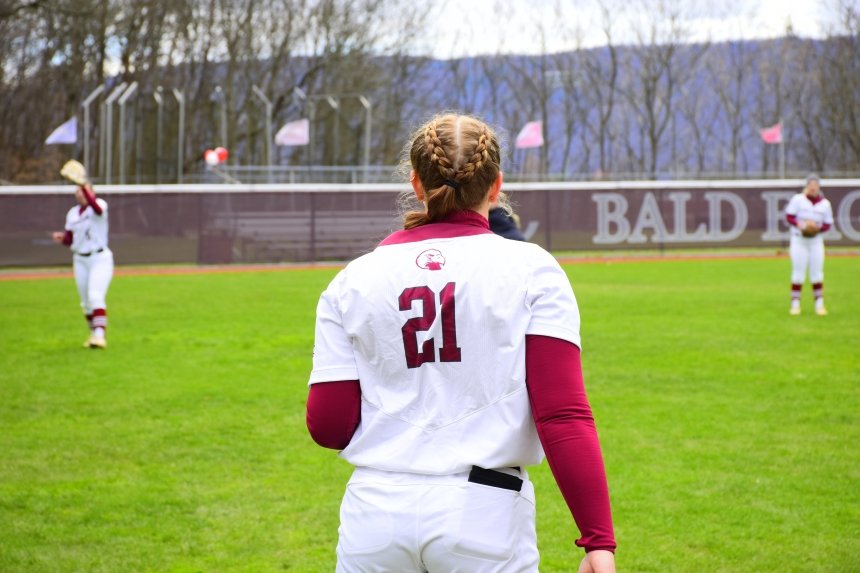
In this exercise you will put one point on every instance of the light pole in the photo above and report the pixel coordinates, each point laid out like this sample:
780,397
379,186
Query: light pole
86,105
368,119
300,99
108,103
334,100
122,101
180,99
218,95
159,147
331,100
268,105
335,105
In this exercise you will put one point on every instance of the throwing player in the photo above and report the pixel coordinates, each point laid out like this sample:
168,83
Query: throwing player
809,215
86,234
445,362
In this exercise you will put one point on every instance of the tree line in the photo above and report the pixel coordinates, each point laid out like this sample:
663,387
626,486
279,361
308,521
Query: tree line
649,102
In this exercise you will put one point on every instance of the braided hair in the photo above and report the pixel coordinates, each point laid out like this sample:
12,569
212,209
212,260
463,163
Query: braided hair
457,159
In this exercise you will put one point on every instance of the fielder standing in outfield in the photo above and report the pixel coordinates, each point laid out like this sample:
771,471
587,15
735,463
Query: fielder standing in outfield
445,362
86,234
809,215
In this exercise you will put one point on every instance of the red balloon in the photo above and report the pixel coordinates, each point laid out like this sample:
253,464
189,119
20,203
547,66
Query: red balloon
222,154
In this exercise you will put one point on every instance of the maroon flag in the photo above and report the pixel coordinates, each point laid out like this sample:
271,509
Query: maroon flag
772,134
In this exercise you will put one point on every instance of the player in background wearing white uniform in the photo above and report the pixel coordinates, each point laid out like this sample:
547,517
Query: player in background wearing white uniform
809,216
445,361
86,234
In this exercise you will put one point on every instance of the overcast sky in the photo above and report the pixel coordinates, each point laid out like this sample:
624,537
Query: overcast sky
473,27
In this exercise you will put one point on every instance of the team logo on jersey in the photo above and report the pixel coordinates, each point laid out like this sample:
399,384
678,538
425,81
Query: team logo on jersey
431,259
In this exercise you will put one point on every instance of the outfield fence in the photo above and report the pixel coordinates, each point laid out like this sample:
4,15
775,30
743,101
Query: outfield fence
271,223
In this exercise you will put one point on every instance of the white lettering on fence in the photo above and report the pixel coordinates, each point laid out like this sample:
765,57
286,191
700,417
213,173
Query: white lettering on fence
613,226
611,208
843,216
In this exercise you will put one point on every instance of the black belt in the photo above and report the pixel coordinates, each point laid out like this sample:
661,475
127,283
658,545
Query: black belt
495,478
90,253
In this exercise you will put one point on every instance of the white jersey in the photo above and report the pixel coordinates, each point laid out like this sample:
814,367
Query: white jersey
89,230
433,325
805,210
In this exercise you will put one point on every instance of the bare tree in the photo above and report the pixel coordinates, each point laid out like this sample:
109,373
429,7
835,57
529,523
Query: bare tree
663,60
600,72
839,82
730,76
771,88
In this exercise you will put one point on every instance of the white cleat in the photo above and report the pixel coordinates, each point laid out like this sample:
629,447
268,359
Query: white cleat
794,310
95,342
820,310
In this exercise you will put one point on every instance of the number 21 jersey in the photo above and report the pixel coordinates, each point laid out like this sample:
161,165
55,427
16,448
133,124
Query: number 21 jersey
433,324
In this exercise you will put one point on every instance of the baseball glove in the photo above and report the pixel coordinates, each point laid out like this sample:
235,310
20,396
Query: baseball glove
810,229
75,172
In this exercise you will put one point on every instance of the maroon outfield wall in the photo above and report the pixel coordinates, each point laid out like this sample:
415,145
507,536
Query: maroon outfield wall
284,223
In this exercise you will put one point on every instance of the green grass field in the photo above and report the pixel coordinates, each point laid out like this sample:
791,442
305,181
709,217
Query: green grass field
730,429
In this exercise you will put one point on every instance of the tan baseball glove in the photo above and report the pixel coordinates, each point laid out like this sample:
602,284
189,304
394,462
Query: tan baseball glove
810,229
75,172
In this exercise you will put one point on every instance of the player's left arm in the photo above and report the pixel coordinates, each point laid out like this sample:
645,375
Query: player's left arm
566,429
828,218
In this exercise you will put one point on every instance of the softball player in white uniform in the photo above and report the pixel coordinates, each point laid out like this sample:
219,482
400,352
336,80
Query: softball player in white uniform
809,216
431,329
86,234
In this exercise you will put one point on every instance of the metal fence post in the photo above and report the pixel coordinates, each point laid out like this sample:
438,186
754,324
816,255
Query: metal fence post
132,89
86,105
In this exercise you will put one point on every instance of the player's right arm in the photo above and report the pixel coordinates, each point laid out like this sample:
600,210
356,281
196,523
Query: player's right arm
791,212
333,412
598,562
62,237
333,409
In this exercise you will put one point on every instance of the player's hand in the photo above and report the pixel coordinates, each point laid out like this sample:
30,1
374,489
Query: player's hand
57,236
598,561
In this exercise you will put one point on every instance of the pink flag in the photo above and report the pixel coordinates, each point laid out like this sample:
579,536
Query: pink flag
294,133
531,135
772,134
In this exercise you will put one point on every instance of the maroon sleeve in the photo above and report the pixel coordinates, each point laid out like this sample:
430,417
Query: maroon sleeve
792,220
825,227
67,238
333,412
91,199
567,432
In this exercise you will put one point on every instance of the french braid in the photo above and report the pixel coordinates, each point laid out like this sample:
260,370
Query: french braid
456,158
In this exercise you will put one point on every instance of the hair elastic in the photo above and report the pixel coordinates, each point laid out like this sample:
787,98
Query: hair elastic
451,183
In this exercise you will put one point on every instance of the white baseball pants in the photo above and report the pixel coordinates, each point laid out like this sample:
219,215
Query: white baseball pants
411,523
806,254
93,275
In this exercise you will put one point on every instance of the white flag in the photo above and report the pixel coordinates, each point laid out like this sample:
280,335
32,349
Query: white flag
294,133
66,133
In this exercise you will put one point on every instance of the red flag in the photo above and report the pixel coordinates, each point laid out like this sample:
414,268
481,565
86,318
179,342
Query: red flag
772,134
531,135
